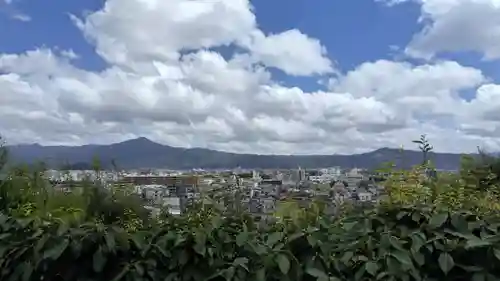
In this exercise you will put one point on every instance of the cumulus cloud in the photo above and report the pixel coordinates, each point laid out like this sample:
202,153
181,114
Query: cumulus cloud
166,81
456,25
291,51
169,27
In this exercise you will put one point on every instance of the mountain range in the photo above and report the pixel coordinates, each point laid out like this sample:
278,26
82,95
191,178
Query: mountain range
144,153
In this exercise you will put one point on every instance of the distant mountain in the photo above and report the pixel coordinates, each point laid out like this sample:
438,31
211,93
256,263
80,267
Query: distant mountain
144,153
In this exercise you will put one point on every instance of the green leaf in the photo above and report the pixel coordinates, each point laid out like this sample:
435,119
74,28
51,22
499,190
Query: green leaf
312,240
346,257
242,262
395,242
259,249
260,275
283,263
349,225
446,262
18,272
316,272
496,252
28,270
139,269
173,276
110,242
416,217
476,243
393,265
98,261
371,267
461,235
402,257
359,274
229,274
417,242
418,257
469,268
122,273
381,275
63,228
56,251
241,238
479,276
438,219
459,222
200,248
401,215
273,238
183,257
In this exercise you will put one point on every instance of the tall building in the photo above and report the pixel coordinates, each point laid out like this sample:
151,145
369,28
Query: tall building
298,175
302,174
255,175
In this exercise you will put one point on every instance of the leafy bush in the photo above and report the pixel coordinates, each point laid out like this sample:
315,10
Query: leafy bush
404,243
26,193
475,188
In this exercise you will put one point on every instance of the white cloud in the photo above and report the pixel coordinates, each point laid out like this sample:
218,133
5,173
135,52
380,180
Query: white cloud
8,8
457,25
21,17
291,51
169,27
430,89
160,29
165,82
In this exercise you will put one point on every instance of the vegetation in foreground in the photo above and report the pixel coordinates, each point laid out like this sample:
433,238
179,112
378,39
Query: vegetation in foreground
428,228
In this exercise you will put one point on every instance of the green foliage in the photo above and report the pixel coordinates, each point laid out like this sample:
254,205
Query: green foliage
482,172
474,188
26,193
389,243
424,146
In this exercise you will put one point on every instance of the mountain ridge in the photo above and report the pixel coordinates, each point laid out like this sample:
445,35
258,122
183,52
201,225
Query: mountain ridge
145,153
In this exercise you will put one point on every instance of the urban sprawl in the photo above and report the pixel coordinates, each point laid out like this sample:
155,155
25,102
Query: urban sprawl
261,192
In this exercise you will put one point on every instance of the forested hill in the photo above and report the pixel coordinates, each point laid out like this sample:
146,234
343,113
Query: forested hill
143,153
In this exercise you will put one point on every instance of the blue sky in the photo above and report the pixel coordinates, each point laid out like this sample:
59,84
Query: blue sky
352,31
408,76
50,26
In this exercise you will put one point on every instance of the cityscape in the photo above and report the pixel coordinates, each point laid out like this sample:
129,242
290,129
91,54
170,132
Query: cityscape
261,192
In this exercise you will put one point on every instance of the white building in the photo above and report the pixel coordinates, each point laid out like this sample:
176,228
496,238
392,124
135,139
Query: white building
173,205
364,195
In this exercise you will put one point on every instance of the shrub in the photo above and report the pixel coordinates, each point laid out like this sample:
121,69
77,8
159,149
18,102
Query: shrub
404,243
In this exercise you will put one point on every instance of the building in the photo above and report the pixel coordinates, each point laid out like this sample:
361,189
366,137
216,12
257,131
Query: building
364,195
191,181
173,205
179,186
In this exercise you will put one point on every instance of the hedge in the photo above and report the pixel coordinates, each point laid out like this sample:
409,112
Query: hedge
404,243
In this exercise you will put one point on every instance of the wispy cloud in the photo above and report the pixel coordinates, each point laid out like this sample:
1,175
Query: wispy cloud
21,17
7,8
